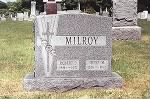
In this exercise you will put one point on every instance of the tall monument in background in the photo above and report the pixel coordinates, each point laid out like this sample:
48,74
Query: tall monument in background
33,9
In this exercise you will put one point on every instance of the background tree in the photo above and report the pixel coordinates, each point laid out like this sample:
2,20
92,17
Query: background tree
26,4
105,4
100,3
108,4
70,4
148,6
14,6
142,5
40,5
3,5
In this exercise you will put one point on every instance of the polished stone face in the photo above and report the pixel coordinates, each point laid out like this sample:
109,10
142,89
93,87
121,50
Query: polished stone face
82,45
51,8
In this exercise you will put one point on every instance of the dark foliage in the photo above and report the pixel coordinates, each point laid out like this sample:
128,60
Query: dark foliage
39,4
148,5
3,5
69,4
72,4
26,4
143,5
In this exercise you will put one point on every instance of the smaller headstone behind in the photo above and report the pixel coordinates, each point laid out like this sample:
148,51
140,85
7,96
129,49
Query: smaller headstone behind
37,12
26,15
139,15
11,16
59,6
69,12
97,13
51,7
144,15
14,18
43,13
3,18
105,13
148,17
20,16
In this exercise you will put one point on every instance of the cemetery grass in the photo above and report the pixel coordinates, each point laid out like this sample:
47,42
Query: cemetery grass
130,60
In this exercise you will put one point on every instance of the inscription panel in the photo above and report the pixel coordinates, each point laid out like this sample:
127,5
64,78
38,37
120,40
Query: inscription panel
82,53
67,65
101,65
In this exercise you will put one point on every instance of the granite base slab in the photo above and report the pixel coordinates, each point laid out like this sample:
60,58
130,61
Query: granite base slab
126,33
65,84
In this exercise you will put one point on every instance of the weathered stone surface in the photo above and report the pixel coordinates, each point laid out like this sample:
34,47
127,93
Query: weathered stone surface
80,54
124,13
68,25
125,20
126,33
65,84
40,28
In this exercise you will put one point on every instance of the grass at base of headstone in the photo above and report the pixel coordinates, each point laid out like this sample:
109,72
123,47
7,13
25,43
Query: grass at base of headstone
145,25
130,60
16,49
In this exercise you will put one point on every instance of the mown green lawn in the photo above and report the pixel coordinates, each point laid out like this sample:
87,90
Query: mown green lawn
130,60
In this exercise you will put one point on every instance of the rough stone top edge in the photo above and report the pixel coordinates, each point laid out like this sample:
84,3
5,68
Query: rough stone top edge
92,15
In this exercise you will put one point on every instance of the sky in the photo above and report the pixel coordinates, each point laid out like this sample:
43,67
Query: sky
7,0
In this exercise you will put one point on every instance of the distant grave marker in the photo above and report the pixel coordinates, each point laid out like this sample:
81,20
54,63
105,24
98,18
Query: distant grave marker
3,18
26,15
20,16
148,17
33,9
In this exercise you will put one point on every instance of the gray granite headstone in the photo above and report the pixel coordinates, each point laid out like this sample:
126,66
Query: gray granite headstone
125,20
72,51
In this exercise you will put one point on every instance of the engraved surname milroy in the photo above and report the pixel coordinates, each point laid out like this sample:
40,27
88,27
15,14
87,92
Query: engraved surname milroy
67,65
79,41
82,40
